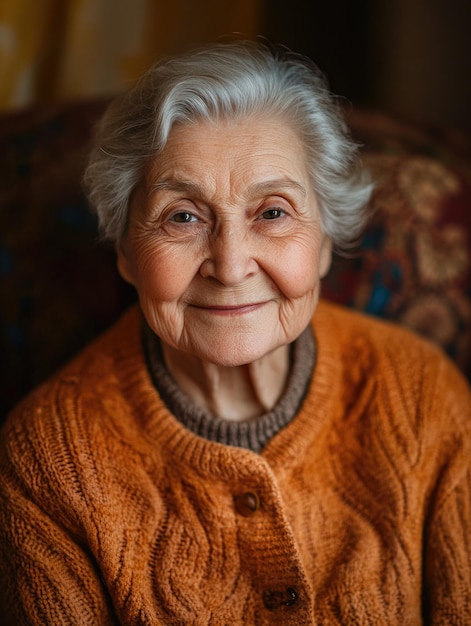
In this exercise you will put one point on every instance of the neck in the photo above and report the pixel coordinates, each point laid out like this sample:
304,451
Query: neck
231,393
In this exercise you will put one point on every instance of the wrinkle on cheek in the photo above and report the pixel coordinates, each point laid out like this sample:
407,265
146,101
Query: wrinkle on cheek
164,271
300,309
165,320
146,267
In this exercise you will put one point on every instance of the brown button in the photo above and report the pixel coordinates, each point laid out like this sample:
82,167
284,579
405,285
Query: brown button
276,599
247,503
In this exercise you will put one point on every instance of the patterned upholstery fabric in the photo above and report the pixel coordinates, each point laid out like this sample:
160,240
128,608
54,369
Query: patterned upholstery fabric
59,288
414,263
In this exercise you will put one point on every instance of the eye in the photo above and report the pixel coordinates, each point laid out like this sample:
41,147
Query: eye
183,217
272,214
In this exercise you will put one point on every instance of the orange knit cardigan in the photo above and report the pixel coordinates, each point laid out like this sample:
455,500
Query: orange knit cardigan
357,512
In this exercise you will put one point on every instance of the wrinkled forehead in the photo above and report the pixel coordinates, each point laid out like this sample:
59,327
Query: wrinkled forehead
205,148
232,135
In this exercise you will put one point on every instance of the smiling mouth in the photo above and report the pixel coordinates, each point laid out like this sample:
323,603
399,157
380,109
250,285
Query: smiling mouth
237,309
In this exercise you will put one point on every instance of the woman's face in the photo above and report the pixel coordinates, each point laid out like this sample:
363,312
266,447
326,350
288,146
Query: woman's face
225,244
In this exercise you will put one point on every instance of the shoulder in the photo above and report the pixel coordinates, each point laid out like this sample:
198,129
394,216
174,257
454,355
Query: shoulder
55,415
97,363
109,349
370,337
402,366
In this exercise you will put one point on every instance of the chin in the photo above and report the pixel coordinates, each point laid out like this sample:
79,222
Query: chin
230,353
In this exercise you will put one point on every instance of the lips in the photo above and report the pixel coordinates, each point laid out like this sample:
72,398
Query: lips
233,309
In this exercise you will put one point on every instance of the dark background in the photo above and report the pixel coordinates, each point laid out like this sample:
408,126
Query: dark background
407,57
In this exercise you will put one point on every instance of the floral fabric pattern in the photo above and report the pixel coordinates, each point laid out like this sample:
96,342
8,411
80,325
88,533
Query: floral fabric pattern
414,263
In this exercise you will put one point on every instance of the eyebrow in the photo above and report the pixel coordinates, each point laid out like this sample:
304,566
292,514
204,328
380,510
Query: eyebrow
276,185
256,189
172,184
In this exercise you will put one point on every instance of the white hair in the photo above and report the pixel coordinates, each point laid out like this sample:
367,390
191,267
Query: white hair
234,80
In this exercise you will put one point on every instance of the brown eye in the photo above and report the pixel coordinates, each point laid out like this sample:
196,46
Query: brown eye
272,214
183,217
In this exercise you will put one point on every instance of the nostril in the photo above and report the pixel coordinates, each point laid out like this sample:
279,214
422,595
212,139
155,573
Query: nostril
206,269
229,263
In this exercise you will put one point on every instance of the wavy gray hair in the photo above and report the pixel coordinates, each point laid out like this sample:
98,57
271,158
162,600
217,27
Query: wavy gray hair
232,80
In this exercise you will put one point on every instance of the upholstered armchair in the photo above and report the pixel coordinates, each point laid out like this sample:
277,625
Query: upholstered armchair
59,286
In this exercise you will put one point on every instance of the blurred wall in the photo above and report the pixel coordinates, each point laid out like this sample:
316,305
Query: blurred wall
423,59
65,49
411,57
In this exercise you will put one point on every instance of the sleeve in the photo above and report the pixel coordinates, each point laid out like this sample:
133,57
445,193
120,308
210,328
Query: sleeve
47,573
447,549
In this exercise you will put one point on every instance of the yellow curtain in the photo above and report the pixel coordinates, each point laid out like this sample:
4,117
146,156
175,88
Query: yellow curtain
70,49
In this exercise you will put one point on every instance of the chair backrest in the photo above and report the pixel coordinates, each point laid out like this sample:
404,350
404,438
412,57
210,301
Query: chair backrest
59,288
414,262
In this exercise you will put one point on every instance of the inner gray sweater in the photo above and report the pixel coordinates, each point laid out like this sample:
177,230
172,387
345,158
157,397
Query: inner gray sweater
252,434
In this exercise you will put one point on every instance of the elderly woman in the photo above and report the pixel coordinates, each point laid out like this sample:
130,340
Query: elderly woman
233,451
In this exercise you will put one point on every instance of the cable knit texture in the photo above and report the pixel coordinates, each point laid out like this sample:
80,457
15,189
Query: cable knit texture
356,512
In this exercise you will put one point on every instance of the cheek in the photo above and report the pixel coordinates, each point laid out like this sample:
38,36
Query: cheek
296,269
164,275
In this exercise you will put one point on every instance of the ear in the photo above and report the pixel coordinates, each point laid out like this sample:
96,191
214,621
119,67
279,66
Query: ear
325,256
124,261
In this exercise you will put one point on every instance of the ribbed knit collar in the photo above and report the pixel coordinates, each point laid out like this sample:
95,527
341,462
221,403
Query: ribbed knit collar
252,435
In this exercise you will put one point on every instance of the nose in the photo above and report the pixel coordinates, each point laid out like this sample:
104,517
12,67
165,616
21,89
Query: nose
230,258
